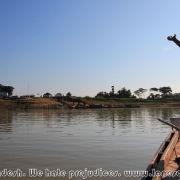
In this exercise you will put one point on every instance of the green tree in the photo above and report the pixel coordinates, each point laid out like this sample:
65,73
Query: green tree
1,87
100,94
68,94
154,89
176,96
106,95
157,96
124,93
140,92
112,92
58,95
152,96
8,89
166,91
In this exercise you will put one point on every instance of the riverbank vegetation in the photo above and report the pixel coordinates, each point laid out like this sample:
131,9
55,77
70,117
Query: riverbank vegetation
30,103
162,96
8,89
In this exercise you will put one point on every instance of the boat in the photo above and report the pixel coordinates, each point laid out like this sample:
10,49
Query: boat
165,164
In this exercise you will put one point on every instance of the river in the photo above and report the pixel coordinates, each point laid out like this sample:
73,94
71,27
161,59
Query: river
60,142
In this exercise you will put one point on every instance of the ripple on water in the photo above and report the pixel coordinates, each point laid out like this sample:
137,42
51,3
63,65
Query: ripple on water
123,139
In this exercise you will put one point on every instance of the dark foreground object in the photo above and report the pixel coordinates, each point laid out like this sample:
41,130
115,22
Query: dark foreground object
166,162
174,39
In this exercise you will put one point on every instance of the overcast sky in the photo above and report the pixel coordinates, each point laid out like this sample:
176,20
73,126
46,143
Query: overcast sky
87,46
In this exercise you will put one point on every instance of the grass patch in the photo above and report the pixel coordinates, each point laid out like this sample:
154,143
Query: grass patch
131,100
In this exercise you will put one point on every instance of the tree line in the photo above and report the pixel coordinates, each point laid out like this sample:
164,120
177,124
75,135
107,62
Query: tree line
123,93
156,93
166,92
8,89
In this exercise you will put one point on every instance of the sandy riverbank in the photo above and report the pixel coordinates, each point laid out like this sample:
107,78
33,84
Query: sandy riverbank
30,103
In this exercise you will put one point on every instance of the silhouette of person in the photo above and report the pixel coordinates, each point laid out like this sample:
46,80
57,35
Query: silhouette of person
174,39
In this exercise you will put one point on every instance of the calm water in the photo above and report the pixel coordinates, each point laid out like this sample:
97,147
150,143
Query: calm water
111,139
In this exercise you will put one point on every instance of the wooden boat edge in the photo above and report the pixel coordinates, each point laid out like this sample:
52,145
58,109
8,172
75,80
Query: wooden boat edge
161,150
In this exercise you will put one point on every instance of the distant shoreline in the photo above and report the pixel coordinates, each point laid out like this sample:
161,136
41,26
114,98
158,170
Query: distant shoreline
52,103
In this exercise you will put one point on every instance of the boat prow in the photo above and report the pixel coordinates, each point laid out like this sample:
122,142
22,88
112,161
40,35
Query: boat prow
166,162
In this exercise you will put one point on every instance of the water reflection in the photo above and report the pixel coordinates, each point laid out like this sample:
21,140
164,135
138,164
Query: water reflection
6,118
125,118
123,139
